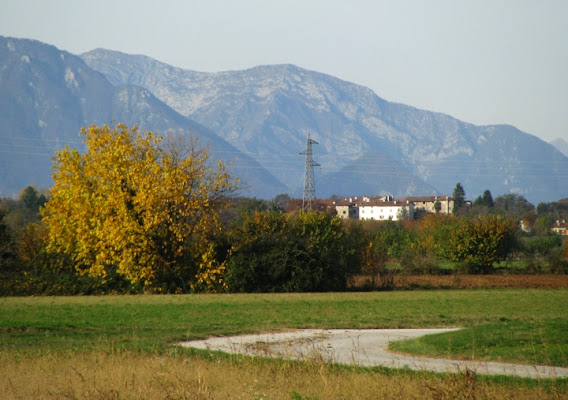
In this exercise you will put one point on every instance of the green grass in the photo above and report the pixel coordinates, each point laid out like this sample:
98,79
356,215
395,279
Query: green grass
121,347
533,341
508,325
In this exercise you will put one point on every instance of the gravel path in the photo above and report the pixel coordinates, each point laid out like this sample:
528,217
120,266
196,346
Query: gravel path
366,347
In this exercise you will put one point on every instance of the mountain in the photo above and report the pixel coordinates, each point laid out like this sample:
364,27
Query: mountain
561,145
47,95
367,145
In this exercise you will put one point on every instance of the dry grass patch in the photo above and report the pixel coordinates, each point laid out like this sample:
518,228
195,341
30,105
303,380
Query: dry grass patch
129,375
463,281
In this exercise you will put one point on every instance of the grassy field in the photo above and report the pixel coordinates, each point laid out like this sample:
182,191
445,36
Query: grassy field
121,347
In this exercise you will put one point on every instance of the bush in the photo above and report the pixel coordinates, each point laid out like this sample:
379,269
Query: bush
540,246
273,252
389,253
475,243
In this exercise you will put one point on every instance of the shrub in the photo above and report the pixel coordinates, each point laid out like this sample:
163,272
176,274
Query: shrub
476,243
540,246
390,252
274,252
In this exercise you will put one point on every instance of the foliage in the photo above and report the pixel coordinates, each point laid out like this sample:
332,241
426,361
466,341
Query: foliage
486,200
459,198
512,205
32,199
437,206
281,257
388,253
281,202
483,205
540,246
23,210
542,225
241,206
557,210
6,246
134,205
275,252
331,261
476,242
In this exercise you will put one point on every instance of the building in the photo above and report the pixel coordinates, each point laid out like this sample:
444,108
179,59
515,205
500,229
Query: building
386,210
560,227
347,209
428,204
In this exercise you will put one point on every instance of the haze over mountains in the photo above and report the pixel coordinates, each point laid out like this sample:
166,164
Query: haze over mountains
366,145
47,95
260,118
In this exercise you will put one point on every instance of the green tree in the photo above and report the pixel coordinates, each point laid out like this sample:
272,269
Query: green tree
459,198
32,199
557,210
275,252
512,205
486,200
6,246
540,246
476,242
138,206
543,225
261,257
281,202
389,253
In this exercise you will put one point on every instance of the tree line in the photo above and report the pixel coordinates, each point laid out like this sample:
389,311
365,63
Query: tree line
137,213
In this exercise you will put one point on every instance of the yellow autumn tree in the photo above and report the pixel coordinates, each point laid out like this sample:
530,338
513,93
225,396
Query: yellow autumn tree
138,205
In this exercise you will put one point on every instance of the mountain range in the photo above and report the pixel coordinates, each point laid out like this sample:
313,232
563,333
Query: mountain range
47,95
259,120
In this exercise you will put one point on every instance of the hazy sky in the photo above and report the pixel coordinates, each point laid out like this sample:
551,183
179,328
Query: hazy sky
481,61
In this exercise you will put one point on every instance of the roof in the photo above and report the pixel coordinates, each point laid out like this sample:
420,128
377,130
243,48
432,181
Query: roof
428,198
377,203
344,203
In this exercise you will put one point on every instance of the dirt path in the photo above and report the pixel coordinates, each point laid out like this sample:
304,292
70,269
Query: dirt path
366,347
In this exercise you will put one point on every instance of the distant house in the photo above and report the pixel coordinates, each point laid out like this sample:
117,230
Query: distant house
386,210
560,227
347,209
381,208
428,204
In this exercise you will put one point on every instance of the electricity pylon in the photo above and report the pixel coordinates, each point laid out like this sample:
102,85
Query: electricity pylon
309,185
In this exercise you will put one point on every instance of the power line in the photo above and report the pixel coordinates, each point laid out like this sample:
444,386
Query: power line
309,194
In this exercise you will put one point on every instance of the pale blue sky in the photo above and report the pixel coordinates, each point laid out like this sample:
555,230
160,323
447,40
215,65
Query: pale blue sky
481,61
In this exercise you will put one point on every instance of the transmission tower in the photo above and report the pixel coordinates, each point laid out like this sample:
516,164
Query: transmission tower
309,186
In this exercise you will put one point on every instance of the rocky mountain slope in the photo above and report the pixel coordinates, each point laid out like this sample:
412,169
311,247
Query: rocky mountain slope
47,95
367,145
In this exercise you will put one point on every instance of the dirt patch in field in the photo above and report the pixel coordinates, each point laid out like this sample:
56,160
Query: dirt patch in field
521,281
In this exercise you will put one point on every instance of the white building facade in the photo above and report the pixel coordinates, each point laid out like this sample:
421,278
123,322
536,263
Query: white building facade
386,210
